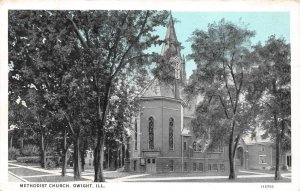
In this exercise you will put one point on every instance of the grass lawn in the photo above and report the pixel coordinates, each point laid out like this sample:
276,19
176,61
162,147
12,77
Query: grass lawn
50,177
23,172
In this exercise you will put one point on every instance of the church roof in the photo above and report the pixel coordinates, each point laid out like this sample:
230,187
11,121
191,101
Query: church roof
157,88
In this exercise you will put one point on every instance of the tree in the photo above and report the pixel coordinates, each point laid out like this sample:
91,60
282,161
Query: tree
221,55
273,79
124,107
111,48
41,55
73,60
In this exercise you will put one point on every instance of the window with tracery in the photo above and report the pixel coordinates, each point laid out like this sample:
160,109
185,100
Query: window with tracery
135,135
151,135
171,138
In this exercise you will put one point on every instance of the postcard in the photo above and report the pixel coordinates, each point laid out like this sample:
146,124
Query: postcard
150,95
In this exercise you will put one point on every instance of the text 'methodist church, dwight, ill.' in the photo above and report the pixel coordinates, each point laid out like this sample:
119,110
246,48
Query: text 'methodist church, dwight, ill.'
162,138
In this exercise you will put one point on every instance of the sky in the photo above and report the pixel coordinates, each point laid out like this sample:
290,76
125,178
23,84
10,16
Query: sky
264,23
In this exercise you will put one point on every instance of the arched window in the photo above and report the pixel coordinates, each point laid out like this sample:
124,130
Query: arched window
171,138
151,135
135,135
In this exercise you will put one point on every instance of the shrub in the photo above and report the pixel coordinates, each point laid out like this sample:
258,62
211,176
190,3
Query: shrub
52,161
13,153
29,159
30,150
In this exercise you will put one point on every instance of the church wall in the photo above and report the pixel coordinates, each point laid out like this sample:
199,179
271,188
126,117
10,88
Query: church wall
171,109
162,111
151,108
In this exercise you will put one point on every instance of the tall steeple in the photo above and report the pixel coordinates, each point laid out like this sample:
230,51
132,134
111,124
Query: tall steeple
171,41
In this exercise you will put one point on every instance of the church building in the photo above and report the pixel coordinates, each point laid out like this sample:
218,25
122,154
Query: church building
162,139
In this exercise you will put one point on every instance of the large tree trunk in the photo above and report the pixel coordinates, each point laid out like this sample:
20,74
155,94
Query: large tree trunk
99,150
21,142
82,153
64,162
82,159
98,158
42,151
64,155
231,152
277,157
76,158
108,159
232,174
11,140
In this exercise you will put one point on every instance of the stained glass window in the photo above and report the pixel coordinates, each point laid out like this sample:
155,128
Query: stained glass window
171,129
135,135
151,135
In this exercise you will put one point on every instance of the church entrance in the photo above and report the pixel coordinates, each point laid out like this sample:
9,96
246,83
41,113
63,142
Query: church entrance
151,165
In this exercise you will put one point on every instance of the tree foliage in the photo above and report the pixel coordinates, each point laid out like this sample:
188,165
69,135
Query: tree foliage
221,55
68,65
273,81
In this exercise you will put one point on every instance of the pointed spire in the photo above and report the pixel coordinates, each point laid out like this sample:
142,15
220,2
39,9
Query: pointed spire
171,35
171,38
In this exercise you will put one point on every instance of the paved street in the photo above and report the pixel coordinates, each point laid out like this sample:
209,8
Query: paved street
19,172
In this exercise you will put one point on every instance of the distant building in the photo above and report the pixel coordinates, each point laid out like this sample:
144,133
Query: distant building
162,139
89,158
261,155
